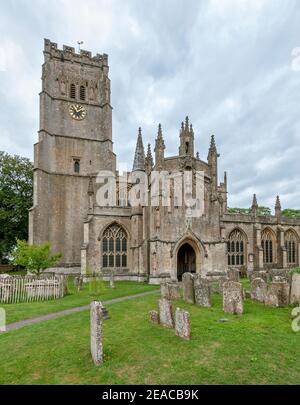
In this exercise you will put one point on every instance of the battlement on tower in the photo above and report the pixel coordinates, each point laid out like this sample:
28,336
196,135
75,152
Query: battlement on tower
68,53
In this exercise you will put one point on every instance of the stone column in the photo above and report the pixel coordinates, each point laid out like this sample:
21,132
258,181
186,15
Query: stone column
96,319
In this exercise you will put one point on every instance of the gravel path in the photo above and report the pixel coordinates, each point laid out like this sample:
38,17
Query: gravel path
53,315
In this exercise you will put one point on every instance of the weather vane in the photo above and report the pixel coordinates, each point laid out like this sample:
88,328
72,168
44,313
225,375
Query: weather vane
79,43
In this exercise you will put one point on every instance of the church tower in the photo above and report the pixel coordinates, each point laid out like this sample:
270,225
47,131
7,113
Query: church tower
74,144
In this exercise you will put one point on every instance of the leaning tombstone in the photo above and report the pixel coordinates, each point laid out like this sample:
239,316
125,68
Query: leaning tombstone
202,291
96,318
154,316
258,289
165,313
188,287
182,324
282,290
295,289
233,297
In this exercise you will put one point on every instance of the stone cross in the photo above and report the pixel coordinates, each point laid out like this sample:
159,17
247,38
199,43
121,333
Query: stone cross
233,297
202,291
295,289
258,289
182,324
165,313
96,319
188,287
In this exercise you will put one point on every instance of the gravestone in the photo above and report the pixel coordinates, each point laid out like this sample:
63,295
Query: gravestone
258,289
174,291
233,297
295,289
202,291
233,274
258,274
96,318
188,287
164,291
154,316
165,313
222,280
278,294
112,280
170,291
182,324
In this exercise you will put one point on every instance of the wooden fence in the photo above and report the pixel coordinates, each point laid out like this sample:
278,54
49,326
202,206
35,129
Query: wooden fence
31,288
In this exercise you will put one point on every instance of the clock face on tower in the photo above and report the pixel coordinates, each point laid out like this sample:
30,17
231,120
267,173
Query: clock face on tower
77,111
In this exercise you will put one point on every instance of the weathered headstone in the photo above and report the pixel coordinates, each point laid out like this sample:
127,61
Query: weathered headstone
233,274
174,291
164,291
96,318
278,294
188,287
182,324
154,316
258,289
202,291
165,313
222,280
295,289
233,297
112,280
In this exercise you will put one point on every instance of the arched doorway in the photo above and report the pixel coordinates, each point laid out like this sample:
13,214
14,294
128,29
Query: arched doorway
186,260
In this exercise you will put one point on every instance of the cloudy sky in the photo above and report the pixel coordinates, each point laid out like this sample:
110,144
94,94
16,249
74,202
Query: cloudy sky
233,66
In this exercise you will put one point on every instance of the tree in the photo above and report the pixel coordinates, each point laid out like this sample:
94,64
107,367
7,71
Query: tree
35,257
290,213
16,174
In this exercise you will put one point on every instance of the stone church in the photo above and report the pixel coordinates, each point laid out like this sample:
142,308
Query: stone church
135,242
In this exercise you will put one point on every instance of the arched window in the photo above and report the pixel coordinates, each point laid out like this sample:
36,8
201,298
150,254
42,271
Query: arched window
268,242
291,244
236,248
72,91
82,93
76,166
114,247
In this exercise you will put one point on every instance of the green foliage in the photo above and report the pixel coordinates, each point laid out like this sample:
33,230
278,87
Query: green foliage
35,257
295,270
258,347
260,211
16,174
290,213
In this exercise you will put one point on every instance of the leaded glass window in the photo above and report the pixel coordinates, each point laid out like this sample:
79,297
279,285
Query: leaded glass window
236,248
114,247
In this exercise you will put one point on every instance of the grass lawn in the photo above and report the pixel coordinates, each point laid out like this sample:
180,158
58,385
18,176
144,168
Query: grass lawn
90,291
258,347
